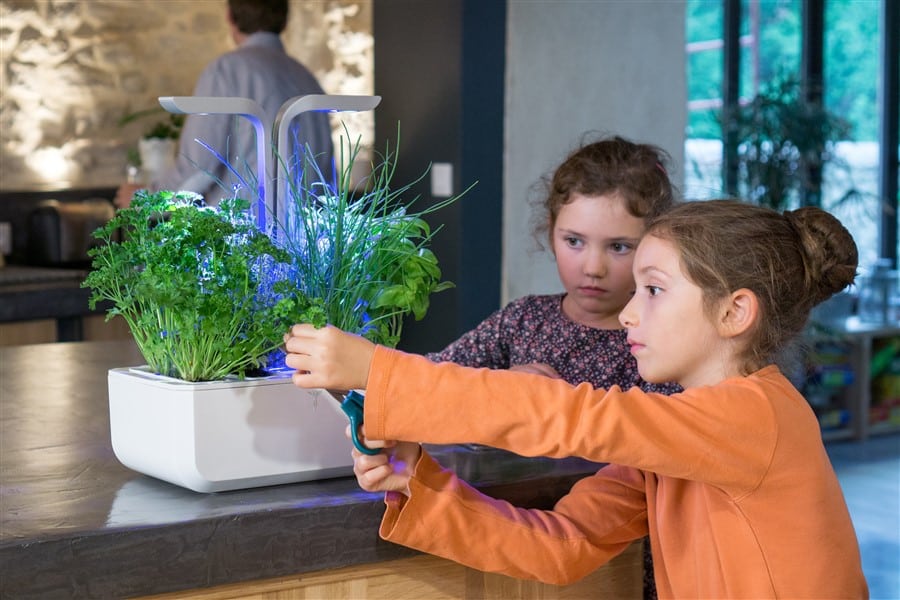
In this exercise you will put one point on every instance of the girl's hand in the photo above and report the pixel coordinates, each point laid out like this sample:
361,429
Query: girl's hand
390,469
538,369
328,357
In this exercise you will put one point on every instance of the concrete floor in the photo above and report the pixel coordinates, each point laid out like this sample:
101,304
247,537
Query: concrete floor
869,473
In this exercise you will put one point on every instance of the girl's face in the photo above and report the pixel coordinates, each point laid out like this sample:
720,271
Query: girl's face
594,240
669,332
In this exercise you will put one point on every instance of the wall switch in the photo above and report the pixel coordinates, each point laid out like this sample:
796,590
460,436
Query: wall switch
442,180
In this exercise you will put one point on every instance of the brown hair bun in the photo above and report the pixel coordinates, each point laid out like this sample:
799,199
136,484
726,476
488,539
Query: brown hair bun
829,252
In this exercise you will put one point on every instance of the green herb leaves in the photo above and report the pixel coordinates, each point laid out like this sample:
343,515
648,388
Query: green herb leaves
199,287
362,252
207,295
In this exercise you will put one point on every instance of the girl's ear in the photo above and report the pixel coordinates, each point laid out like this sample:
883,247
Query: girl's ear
739,312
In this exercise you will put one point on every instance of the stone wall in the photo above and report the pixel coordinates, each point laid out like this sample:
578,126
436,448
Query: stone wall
71,69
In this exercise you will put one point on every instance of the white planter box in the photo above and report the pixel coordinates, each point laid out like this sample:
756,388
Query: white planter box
217,436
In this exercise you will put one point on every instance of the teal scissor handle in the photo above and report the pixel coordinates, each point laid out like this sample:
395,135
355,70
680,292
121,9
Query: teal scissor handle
352,405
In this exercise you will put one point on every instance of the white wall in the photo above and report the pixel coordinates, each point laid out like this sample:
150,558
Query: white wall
576,66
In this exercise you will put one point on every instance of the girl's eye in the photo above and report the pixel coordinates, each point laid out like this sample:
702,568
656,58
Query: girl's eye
653,290
620,248
573,242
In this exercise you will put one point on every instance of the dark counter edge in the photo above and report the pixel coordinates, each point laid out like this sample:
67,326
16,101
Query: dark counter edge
220,551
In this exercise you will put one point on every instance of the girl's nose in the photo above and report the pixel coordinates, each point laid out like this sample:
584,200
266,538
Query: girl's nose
628,317
595,265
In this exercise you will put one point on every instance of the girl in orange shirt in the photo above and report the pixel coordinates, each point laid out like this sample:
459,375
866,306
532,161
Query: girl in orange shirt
729,478
598,202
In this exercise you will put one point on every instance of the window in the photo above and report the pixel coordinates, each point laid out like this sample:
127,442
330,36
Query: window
851,89
771,35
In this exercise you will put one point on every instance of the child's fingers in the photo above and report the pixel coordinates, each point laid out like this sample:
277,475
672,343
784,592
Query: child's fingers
304,379
371,469
328,357
366,462
303,330
294,360
300,338
369,443
299,344
538,369
375,479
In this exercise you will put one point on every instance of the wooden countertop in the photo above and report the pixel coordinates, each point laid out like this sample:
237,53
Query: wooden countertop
75,523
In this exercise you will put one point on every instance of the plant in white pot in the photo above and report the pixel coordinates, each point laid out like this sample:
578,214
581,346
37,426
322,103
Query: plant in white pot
156,147
208,297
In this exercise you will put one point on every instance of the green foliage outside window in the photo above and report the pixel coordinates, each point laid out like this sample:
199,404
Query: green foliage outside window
850,61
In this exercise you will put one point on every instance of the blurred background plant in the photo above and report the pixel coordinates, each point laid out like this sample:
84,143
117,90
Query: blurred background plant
784,141
168,127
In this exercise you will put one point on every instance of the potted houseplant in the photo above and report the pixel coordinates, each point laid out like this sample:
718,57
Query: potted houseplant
204,294
785,143
783,139
201,286
157,145
361,251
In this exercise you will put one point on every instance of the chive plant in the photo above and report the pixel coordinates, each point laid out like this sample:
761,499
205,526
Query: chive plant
361,250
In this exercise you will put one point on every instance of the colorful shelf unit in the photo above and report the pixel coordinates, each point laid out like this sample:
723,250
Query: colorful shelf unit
852,378
884,407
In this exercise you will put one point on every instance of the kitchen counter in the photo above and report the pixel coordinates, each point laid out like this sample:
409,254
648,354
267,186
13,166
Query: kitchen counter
75,523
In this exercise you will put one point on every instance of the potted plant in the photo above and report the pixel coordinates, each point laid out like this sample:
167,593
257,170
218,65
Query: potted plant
782,140
208,298
361,251
202,290
157,145
201,293
784,144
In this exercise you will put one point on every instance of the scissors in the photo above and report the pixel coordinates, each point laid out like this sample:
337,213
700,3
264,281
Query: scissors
352,405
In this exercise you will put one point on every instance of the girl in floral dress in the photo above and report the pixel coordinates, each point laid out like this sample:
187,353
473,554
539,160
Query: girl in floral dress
597,204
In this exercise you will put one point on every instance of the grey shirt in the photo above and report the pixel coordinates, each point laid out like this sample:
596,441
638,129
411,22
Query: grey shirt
261,70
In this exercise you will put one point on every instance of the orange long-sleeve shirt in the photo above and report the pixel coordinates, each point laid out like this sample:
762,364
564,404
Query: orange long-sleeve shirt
731,481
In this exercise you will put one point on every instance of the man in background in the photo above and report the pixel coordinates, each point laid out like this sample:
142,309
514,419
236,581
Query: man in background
259,69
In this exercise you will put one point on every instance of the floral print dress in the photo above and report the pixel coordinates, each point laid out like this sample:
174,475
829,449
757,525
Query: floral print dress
534,329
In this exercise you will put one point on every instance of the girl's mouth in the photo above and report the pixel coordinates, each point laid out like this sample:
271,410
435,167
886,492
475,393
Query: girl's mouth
592,291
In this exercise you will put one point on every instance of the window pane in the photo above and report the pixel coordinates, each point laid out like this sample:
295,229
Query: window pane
770,50
777,28
770,47
703,146
851,90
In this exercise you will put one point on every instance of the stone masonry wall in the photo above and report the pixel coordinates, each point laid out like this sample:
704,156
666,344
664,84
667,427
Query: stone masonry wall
71,69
